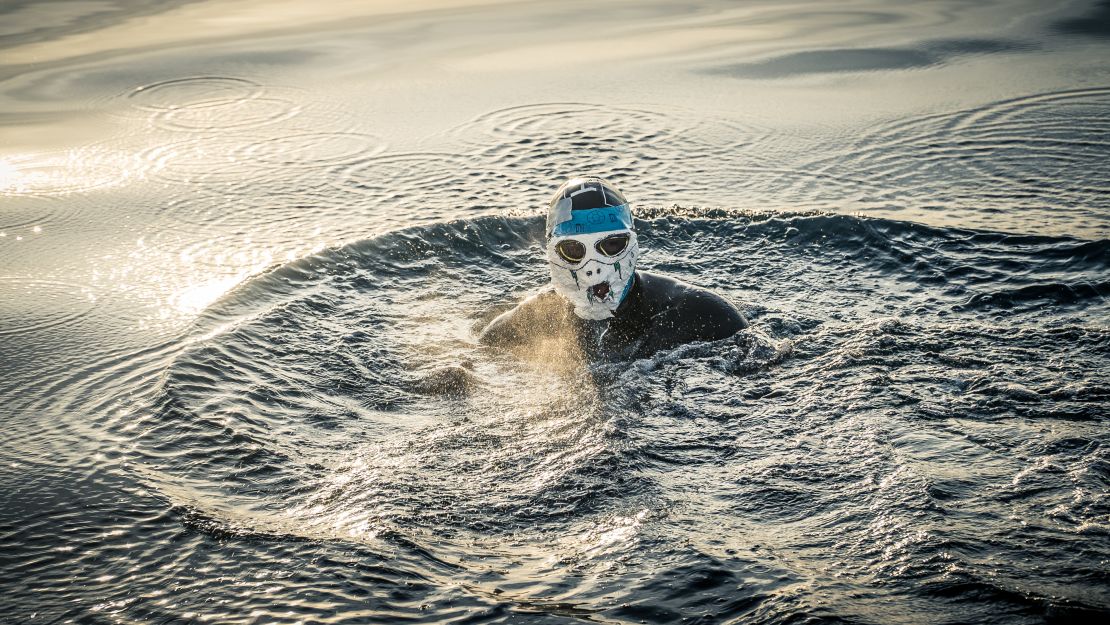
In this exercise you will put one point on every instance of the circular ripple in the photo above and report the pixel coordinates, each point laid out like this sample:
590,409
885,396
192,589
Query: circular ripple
577,126
1021,155
232,115
194,92
200,207
219,105
662,149
79,170
25,221
290,412
313,149
1055,142
205,104
434,183
276,208
546,119
202,166
209,160
266,166
537,168
222,261
26,213
763,187
30,305
345,346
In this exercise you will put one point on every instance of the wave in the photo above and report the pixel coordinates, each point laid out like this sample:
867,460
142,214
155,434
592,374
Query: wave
341,401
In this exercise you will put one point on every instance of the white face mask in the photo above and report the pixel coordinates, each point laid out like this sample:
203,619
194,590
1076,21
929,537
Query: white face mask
597,283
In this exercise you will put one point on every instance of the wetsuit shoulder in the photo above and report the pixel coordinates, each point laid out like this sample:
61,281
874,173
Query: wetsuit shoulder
545,312
682,313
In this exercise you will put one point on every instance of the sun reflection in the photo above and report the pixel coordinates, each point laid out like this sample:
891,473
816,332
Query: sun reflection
8,175
66,172
194,298
612,533
178,277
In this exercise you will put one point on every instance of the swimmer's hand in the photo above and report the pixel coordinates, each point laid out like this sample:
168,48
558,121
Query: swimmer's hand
455,382
544,314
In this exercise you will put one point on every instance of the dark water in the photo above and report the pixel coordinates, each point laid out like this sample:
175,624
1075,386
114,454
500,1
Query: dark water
243,260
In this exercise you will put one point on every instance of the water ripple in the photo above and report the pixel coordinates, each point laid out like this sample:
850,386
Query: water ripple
36,305
313,149
194,92
428,182
76,171
1029,152
307,413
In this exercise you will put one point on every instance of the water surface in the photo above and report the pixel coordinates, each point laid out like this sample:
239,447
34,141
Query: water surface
245,248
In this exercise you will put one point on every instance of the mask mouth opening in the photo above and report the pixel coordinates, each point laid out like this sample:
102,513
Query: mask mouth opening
600,291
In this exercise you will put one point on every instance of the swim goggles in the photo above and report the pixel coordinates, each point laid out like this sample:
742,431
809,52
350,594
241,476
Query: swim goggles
574,251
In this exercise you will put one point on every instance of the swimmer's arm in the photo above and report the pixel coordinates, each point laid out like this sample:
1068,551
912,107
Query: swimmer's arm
506,329
711,317
516,325
695,316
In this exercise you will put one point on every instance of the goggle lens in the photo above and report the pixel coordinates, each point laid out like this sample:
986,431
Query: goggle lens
611,246
572,251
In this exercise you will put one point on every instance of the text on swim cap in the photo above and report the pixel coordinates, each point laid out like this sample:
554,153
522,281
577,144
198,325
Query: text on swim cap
593,220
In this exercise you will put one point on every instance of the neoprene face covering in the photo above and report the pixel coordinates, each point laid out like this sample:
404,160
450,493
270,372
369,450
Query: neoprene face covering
591,246
598,282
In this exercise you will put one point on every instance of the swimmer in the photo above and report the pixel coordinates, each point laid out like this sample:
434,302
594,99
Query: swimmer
596,295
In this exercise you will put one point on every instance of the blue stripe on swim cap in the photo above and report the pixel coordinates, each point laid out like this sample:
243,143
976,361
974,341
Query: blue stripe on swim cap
594,220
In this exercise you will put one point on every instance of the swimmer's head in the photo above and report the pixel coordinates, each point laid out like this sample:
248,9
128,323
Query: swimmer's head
591,246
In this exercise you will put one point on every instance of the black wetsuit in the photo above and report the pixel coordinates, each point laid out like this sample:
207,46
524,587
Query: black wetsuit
658,313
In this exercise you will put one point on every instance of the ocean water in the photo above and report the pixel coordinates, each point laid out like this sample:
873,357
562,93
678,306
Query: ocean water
245,249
